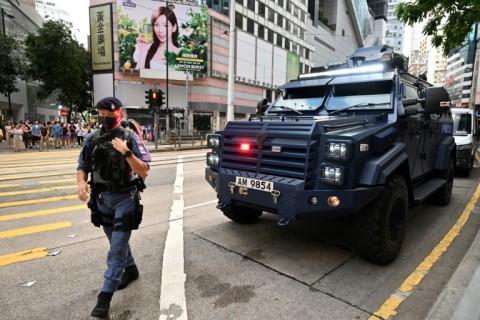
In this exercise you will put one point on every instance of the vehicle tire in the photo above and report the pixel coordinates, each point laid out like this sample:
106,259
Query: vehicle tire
443,195
241,214
380,228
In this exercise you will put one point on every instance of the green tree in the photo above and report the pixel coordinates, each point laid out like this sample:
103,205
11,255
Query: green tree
61,65
447,21
11,66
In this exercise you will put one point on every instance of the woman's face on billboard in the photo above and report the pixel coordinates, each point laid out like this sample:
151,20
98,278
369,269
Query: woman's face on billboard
160,28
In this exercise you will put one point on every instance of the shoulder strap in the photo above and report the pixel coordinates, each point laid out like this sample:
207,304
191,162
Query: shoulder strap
93,138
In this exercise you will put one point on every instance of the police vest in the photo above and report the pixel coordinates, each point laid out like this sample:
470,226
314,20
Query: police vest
110,168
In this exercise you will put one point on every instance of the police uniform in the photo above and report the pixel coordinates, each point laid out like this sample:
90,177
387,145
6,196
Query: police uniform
114,201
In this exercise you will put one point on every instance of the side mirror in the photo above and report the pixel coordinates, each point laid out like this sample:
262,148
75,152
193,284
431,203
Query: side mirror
262,106
436,100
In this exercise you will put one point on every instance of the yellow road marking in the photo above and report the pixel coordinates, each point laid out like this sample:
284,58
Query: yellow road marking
8,185
41,212
14,193
390,306
23,256
56,181
34,229
33,165
34,201
30,175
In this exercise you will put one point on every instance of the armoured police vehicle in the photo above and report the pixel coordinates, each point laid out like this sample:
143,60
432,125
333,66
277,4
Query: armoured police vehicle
363,139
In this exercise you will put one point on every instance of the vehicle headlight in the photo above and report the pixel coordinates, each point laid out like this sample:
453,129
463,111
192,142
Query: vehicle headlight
332,174
212,159
464,146
338,150
213,141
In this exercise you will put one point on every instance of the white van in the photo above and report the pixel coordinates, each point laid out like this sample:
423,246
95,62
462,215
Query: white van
463,132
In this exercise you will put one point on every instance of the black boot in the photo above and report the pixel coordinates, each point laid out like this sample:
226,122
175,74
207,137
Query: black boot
103,304
130,274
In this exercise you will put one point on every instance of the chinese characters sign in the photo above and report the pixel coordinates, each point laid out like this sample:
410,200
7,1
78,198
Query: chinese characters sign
101,38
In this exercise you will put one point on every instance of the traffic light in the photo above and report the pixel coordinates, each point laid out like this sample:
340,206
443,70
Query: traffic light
160,98
148,98
154,99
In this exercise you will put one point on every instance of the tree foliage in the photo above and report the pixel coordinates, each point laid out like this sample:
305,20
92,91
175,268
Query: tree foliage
447,21
61,65
11,66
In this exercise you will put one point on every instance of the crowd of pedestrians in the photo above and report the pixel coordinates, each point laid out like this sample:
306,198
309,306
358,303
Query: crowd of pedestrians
25,135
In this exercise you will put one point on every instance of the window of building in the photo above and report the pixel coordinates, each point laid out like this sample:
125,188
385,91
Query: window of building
289,6
307,54
261,31
239,1
280,3
270,35
271,15
343,33
287,44
261,9
287,25
279,20
238,20
250,26
279,40
295,29
294,47
251,5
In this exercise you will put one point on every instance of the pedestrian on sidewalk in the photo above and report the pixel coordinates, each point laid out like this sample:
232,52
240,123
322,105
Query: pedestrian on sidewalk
9,134
116,159
44,137
18,144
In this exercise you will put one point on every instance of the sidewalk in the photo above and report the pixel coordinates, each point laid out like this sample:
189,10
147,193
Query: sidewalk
187,145
460,297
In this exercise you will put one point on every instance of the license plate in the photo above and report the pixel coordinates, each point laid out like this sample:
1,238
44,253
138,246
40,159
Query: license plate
254,184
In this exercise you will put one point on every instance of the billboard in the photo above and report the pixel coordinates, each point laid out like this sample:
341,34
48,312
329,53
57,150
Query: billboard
152,36
101,38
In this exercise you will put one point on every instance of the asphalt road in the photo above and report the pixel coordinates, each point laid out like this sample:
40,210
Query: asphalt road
196,264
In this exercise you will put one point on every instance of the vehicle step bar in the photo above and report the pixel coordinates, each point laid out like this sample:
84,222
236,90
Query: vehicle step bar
425,190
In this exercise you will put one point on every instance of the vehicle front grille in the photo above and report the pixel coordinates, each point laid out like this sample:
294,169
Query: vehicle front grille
290,148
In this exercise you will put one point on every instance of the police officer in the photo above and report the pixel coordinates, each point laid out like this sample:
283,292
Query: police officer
116,159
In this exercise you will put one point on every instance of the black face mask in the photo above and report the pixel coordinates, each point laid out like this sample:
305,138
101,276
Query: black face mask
106,122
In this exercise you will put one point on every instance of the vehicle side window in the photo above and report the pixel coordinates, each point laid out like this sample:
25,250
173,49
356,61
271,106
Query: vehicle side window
411,93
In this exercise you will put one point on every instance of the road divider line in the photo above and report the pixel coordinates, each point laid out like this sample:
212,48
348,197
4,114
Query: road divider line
34,229
35,201
23,256
390,306
172,292
18,192
41,212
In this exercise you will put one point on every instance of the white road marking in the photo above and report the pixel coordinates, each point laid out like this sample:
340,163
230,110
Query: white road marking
200,204
172,293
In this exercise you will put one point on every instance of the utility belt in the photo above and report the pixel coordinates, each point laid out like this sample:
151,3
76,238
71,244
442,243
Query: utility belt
129,221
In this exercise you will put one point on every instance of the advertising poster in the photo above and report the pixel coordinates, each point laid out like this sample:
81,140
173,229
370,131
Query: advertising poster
152,36
293,66
101,38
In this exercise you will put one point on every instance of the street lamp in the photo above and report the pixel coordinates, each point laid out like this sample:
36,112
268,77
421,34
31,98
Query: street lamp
4,13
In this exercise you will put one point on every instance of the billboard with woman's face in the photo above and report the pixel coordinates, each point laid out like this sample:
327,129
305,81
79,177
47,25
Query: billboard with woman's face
152,36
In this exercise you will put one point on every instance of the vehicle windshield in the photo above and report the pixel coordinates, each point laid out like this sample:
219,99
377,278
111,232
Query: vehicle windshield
300,99
462,124
360,96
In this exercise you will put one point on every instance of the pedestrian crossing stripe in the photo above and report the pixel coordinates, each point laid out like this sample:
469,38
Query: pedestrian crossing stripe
18,192
41,212
34,229
42,200
23,256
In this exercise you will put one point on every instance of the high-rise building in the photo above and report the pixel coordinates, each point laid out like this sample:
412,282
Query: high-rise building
460,67
395,29
432,62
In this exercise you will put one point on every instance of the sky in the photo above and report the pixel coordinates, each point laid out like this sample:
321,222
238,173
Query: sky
78,11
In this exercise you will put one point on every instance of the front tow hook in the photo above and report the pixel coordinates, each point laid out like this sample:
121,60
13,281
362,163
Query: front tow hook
283,222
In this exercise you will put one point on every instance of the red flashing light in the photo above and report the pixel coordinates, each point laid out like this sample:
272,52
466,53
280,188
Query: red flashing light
245,146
